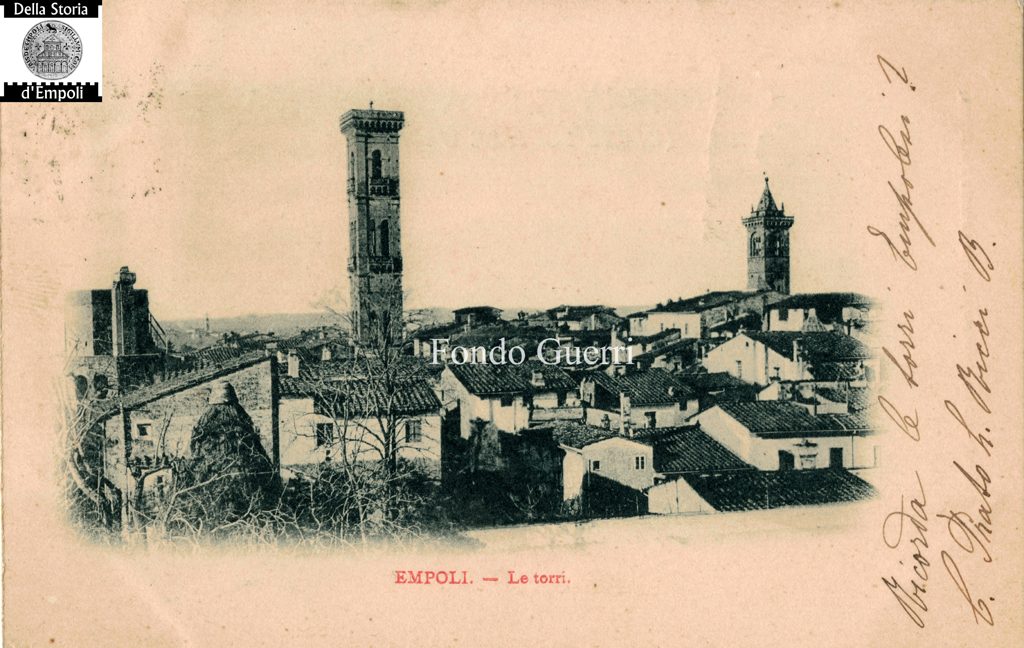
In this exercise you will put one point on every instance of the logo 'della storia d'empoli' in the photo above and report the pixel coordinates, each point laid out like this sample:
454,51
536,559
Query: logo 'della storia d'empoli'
52,50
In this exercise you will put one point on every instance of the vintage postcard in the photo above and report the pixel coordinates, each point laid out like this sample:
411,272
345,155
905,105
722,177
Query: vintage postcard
475,323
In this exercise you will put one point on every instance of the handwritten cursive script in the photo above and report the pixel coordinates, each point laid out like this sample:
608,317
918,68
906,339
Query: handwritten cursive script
899,146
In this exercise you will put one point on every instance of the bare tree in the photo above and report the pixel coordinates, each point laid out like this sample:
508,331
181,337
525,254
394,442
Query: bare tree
91,501
368,398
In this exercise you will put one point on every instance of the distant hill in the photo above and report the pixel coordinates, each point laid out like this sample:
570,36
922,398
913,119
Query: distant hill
279,323
191,332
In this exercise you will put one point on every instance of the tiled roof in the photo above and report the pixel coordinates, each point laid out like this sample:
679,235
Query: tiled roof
740,393
860,399
703,302
711,382
489,335
746,322
830,394
814,347
189,379
401,367
646,339
588,337
361,397
689,449
429,332
837,370
650,387
576,435
686,349
778,418
314,338
824,300
747,490
566,312
488,379
214,355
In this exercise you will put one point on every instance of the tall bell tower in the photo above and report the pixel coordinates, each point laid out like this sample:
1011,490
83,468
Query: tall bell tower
768,245
375,235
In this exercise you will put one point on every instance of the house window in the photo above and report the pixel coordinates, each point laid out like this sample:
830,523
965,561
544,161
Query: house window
652,419
324,433
783,314
785,460
595,465
413,431
561,399
506,401
739,368
835,457
143,429
776,372
640,462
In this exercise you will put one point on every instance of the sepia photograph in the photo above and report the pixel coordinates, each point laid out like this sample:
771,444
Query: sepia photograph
478,323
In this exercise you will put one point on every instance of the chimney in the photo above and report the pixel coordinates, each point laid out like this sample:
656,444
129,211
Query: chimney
796,351
281,357
325,353
537,379
293,364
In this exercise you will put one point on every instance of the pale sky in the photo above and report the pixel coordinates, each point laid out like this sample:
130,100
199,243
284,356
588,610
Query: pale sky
550,155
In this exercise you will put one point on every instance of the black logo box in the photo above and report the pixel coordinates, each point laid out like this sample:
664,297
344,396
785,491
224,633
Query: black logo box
57,9
16,92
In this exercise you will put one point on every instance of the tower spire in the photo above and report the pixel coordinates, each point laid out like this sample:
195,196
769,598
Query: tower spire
767,202
768,240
